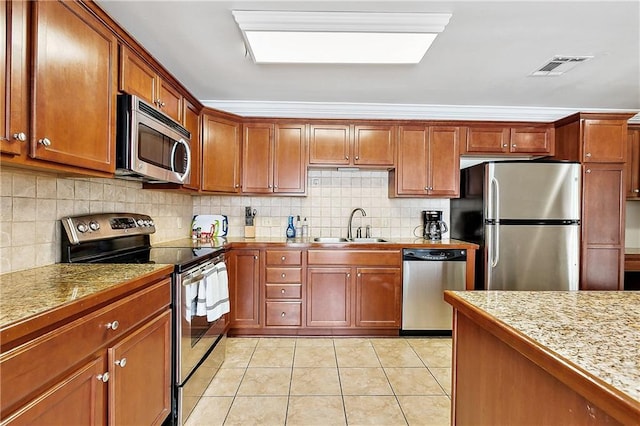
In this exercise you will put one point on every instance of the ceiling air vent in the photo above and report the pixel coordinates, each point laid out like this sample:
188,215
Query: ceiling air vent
559,65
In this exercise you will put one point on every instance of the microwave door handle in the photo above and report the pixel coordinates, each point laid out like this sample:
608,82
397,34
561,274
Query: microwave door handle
173,158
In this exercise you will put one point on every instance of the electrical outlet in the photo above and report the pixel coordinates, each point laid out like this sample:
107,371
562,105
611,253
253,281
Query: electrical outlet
315,182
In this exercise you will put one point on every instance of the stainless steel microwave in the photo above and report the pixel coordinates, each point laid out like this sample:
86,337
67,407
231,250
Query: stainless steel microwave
150,145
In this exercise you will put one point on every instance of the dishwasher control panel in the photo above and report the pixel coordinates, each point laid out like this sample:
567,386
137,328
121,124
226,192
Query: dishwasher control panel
434,255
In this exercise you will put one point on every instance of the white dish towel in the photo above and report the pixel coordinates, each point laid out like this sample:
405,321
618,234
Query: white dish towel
213,294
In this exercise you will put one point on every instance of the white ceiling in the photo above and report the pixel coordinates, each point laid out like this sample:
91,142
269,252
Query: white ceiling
476,69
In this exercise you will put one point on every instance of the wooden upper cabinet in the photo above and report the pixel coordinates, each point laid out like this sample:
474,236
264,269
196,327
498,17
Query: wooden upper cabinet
257,158
220,154
274,158
604,141
361,145
374,145
428,162
14,78
290,158
74,96
138,78
191,118
632,166
535,140
329,144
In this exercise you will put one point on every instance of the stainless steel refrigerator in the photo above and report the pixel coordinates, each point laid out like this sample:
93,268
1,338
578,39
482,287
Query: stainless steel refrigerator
525,215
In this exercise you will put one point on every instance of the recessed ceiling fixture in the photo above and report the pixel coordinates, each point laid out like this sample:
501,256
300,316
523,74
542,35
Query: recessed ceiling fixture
559,65
339,37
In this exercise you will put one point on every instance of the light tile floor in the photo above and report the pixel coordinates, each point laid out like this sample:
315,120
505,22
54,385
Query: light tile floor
330,381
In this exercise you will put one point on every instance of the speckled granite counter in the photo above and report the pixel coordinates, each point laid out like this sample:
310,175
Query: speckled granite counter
598,333
37,292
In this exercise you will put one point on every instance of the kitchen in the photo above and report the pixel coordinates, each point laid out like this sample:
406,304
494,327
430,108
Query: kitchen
33,202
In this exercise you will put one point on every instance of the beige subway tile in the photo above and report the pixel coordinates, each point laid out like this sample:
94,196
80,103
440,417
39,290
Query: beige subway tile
23,257
46,187
24,185
23,234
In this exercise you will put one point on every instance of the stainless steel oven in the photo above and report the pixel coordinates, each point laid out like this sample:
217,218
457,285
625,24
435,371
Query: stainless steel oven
199,292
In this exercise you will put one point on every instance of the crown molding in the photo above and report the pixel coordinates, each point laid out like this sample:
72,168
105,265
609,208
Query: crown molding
400,111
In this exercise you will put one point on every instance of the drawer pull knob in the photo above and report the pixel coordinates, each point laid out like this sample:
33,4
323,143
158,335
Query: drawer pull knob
588,155
284,275
104,378
636,190
44,142
588,171
283,258
282,314
504,145
113,325
283,291
20,136
121,362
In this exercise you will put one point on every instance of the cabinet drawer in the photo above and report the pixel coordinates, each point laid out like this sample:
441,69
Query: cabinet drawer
284,313
355,257
284,275
37,363
284,257
284,291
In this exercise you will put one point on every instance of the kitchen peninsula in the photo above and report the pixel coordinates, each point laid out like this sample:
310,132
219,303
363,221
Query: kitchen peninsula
546,357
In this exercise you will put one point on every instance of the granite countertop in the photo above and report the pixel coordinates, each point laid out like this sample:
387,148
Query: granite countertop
24,294
393,243
598,332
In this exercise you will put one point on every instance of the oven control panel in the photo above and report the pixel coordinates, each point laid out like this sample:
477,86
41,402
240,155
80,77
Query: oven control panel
106,226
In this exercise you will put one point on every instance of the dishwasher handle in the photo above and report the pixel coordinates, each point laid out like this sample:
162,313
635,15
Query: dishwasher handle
434,255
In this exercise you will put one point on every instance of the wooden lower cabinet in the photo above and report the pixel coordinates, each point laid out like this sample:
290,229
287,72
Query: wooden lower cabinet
111,366
378,297
244,287
329,297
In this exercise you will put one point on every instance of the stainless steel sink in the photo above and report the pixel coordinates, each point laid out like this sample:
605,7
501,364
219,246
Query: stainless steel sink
330,240
369,240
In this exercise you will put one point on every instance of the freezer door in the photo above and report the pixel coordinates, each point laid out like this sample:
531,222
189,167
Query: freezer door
532,257
530,190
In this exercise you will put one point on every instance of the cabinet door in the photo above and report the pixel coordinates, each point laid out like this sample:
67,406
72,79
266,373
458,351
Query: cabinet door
632,166
378,297
493,139
329,144
444,161
534,140
244,286
257,158
220,155
140,375
290,159
14,77
374,145
328,297
137,77
411,172
169,100
192,124
604,141
73,88
78,399
602,227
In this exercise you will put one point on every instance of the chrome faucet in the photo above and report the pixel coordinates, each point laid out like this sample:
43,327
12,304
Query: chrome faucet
349,232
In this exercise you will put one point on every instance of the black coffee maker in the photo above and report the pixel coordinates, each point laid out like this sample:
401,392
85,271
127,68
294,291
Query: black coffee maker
434,226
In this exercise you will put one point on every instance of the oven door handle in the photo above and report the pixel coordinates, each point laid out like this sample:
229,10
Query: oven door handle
199,276
181,177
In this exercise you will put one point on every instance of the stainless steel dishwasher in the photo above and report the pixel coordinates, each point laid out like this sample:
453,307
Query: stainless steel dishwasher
426,274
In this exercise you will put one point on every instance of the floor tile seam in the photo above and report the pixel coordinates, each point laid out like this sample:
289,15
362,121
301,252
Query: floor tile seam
344,405
437,381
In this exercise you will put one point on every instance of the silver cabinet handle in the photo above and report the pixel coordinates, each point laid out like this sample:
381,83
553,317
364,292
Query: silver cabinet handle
104,377
255,257
20,136
357,157
514,145
283,291
359,274
504,145
588,155
44,142
588,171
283,275
121,362
348,275
113,325
283,258
275,186
283,314
269,186
636,190
346,157
160,103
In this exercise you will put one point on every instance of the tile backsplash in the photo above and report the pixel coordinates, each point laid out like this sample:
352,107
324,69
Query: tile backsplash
32,204
331,196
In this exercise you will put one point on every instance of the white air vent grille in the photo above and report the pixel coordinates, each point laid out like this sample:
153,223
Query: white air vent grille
559,65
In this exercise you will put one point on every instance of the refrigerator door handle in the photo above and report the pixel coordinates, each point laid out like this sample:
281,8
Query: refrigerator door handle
495,252
495,198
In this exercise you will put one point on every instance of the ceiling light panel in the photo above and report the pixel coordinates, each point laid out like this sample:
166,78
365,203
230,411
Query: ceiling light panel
339,37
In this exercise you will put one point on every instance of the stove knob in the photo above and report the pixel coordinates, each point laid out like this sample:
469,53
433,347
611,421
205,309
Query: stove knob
82,227
140,222
146,223
151,223
94,225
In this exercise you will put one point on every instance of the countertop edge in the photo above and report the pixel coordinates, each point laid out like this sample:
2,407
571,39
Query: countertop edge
615,402
33,325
